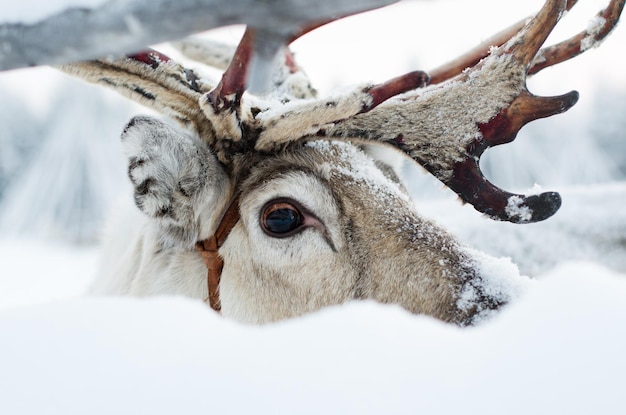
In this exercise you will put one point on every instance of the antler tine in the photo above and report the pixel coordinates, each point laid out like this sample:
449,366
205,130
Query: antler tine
223,105
473,56
469,183
525,108
525,46
479,52
227,94
603,24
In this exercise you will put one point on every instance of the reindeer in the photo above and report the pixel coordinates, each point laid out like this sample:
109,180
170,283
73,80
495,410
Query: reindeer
282,198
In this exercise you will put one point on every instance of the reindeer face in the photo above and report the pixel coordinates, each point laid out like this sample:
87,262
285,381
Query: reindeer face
344,230
320,224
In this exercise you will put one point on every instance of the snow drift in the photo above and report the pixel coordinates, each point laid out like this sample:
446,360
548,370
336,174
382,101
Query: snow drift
558,349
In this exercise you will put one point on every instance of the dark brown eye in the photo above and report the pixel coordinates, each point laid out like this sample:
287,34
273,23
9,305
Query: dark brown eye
281,219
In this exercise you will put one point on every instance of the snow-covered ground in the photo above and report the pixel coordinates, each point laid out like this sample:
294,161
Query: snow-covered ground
559,349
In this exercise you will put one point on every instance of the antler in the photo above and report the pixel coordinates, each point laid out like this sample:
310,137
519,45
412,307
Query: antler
448,126
445,127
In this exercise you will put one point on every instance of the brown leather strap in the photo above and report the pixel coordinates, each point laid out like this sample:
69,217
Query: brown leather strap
209,248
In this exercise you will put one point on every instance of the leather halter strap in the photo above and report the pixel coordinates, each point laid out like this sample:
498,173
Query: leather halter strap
209,248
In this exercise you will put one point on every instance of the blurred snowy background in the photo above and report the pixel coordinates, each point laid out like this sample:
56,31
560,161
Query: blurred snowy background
61,172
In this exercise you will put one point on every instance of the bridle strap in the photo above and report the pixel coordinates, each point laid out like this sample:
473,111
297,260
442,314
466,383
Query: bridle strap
208,249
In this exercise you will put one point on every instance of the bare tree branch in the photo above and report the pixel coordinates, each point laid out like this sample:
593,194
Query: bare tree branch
123,26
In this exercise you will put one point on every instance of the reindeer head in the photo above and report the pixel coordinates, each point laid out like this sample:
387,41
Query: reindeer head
290,212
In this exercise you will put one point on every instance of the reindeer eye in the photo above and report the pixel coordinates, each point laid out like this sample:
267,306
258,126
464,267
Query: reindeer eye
280,219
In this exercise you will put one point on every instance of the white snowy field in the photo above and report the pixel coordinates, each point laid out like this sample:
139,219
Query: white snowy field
558,349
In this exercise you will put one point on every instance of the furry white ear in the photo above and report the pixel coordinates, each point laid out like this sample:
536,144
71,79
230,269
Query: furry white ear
177,180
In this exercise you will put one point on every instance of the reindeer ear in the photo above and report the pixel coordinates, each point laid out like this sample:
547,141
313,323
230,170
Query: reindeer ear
153,80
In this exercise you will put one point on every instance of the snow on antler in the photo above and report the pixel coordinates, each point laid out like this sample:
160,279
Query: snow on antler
448,126
444,127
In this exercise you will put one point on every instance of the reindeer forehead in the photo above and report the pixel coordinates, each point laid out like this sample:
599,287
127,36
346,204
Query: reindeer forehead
345,171
346,165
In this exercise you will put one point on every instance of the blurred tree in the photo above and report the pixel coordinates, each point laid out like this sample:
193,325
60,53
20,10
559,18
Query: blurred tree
20,134
608,125
75,171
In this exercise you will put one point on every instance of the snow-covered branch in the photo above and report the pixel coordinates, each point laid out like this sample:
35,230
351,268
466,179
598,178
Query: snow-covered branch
72,30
